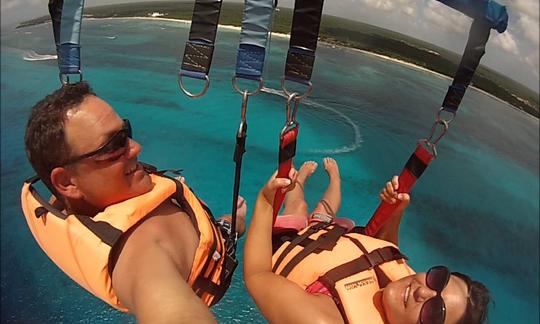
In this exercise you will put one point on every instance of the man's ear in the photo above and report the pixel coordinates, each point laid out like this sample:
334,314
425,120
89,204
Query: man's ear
62,180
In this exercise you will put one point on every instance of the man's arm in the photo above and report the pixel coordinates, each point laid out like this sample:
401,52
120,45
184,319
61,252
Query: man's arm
390,229
280,300
150,283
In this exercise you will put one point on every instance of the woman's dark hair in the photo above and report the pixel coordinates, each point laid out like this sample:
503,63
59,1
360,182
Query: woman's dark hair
45,143
477,301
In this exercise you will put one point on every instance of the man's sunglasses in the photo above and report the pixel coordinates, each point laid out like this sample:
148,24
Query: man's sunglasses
118,141
434,310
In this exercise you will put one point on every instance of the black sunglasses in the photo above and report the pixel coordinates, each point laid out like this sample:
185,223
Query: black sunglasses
434,310
118,141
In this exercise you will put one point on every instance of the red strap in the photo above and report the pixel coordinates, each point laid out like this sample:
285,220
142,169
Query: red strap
287,150
407,179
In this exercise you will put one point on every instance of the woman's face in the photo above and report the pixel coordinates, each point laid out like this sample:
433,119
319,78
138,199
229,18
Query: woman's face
403,299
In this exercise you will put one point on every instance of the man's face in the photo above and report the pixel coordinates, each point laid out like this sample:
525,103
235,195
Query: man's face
110,178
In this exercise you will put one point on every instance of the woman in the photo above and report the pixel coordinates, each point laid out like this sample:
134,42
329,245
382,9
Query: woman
309,278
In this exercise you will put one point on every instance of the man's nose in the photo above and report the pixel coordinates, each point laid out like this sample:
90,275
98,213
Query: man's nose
424,293
134,148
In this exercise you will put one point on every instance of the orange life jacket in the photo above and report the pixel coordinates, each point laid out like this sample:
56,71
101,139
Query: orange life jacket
352,266
81,245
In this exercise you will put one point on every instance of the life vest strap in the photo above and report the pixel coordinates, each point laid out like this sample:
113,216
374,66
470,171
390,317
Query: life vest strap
325,241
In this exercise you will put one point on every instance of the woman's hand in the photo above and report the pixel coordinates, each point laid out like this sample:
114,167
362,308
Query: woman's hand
390,194
268,192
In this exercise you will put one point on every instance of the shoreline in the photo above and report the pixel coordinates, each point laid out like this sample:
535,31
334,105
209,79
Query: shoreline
332,45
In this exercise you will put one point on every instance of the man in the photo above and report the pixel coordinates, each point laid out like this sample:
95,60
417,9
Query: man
330,273
156,246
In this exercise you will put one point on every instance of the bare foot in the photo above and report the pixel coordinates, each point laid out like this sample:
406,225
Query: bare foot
305,171
331,167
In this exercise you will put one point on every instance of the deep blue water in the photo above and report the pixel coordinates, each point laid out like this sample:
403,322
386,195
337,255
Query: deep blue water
475,208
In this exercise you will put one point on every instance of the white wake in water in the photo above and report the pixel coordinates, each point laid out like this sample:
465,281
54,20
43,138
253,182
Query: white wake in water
357,142
33,56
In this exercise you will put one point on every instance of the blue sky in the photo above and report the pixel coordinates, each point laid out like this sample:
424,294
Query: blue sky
514,53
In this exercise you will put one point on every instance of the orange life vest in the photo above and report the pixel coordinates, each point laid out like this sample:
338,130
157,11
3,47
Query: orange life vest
352,266
81,245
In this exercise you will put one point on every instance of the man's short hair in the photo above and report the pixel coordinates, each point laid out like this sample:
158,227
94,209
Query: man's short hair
45,141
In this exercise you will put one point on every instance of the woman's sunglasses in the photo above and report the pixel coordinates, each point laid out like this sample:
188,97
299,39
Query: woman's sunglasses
108,150
434,310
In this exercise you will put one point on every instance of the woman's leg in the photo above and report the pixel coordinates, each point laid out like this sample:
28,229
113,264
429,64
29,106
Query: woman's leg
295,203
331,200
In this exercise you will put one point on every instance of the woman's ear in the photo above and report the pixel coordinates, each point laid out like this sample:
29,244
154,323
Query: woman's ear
62,180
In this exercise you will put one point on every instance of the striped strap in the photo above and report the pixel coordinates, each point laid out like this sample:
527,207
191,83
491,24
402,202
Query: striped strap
303,43
67,17
256,26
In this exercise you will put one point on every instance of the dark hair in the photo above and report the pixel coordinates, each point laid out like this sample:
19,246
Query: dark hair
477,302
45,142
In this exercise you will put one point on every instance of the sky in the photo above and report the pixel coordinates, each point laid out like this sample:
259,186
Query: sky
514,53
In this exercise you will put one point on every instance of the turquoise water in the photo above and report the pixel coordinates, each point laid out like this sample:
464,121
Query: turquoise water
475,209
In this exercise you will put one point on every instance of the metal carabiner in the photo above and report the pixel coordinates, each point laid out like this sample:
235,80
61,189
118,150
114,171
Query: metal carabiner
189,94
243,111
452,115
64,77
291,112
444,124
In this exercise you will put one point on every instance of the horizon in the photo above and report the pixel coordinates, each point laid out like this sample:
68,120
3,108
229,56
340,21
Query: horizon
514,53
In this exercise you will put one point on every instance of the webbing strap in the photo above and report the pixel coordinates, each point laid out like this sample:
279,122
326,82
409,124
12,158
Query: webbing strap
287,151
303,43
363,263
256,26
413,169
475,49
326,241
66,17
296,241
202,35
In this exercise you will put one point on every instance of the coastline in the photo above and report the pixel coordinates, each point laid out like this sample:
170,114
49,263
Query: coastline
332,45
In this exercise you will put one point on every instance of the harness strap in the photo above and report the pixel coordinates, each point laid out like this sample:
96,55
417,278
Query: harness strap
303,43
413,169
66,18
199,48
296,241
256,26
287,151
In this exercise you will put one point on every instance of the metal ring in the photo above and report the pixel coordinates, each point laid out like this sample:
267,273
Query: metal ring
189,94
430,145
64,77
452,115
442,122
254,92
305,94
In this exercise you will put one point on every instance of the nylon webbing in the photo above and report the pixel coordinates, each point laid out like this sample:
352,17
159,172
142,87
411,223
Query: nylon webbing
486,15
256,26
202,35
413,169
287,151
66,19
303,43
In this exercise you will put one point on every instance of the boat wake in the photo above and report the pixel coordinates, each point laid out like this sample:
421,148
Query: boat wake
33,56
357,141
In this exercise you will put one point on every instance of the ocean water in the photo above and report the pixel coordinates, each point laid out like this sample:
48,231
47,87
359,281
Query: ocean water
475,208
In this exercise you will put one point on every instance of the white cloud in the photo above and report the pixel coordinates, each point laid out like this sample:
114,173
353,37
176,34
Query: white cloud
439,15
524,7
529,28
409,11
506,41
384,5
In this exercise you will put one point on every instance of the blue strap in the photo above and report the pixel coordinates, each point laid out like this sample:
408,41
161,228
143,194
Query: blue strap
67,38
256,25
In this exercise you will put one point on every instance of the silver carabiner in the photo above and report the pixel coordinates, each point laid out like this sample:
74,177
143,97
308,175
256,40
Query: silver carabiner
64,77
243,111
452,115
444,124
189,94
291,112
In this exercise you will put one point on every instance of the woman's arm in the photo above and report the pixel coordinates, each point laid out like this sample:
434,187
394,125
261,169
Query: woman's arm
390,229
279,300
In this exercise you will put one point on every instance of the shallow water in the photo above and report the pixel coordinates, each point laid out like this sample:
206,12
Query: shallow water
475,209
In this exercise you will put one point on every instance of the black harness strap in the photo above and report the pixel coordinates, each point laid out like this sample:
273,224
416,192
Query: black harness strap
325,241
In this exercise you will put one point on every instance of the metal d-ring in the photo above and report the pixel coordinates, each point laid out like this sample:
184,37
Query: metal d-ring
254,92
305,94
64,77
452,115
189,94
